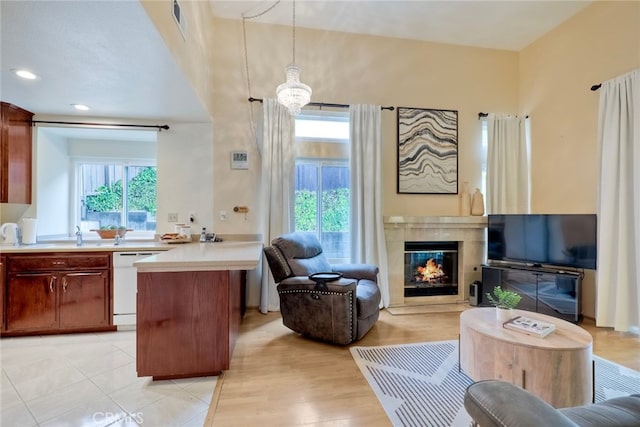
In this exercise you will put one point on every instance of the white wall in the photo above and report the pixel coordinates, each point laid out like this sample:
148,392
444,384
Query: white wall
185,176
184,158
112,149
54,186
53,182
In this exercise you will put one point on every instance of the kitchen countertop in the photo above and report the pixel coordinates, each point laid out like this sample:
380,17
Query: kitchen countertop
228,255
87,246
194,256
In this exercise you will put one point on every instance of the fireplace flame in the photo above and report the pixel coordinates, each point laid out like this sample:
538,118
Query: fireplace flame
430,272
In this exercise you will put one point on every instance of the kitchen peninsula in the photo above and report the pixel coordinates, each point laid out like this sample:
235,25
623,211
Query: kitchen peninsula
189,308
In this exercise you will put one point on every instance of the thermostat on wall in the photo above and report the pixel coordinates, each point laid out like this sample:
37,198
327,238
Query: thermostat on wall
239,160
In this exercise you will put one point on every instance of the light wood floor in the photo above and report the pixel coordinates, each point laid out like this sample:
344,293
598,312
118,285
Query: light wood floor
278,378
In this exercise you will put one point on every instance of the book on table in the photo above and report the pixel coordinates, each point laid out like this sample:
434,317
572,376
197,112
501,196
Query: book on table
530,326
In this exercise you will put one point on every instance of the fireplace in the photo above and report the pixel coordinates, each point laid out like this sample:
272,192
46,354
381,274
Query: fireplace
468,232
430,268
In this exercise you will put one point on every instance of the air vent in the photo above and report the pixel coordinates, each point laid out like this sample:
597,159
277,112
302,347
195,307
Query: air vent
179,18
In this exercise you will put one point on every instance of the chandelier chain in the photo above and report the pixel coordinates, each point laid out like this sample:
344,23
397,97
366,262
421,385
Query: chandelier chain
259,14
246,63
244,38
246,57
293,94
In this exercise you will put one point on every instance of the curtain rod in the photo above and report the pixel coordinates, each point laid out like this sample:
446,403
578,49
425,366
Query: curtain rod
323,104
159,127
596,87
481,115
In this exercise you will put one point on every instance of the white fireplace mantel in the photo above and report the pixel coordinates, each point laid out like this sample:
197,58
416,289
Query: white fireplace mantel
469,231
437,221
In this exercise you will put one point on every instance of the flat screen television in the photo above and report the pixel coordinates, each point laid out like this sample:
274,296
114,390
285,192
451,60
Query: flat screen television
564,240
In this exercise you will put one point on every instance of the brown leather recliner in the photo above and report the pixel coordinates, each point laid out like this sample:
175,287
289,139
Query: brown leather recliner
340,311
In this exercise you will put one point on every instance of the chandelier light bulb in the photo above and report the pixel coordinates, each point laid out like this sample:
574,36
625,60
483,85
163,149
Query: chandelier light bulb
293,94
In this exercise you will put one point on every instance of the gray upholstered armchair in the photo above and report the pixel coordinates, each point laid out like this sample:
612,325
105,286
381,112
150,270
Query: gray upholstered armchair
340,311
495,403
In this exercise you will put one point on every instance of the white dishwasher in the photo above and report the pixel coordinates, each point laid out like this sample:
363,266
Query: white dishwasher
125,285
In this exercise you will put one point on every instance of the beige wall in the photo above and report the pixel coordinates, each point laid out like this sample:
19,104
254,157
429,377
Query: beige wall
549,80
348,68
555,74
193,52
341,68
185,153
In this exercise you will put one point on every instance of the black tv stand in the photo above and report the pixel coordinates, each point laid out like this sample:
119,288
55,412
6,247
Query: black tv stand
546,290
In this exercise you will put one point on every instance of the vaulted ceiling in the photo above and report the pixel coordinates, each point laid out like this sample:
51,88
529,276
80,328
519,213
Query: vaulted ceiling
108,54
510,25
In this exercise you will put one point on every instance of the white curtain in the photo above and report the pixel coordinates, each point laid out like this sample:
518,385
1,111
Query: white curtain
277,191
367,227
507,165
618,274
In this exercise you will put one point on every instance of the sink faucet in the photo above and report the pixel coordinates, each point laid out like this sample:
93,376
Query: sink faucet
78,236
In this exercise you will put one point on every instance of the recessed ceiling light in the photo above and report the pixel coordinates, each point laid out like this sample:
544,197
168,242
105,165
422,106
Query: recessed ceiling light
80,107
25,74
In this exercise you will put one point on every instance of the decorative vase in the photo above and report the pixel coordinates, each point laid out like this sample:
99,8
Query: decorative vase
465,200
503,314
477,205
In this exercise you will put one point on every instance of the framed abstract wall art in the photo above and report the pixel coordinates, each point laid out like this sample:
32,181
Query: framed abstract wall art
427,151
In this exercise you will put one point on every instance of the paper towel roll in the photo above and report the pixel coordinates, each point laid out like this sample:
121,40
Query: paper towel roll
29,230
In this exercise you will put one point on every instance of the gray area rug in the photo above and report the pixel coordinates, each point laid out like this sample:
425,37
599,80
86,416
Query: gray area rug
420,384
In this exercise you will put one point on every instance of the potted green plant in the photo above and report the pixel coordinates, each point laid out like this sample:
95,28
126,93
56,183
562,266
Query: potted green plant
504,301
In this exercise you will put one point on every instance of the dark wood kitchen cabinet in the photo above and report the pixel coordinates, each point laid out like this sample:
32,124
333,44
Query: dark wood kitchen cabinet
57,293
31,302
84,299
187,322
15,154
3,269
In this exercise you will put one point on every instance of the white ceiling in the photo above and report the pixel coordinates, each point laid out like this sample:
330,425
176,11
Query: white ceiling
105,54
108,54
506,24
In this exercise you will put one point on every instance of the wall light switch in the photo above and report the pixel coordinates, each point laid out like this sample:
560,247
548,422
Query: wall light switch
172,217
223,215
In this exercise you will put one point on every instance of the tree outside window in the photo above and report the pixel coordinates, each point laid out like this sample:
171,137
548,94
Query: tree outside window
322,194
106,202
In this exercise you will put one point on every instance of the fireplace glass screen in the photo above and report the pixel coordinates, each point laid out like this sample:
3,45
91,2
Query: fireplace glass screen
430,268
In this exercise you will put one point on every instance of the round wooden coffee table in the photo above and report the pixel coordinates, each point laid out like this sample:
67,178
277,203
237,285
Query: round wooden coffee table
557,368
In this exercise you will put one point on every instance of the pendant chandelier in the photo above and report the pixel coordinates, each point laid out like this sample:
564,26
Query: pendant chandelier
293,94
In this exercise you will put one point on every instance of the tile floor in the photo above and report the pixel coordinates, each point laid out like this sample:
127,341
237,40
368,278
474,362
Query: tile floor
90,380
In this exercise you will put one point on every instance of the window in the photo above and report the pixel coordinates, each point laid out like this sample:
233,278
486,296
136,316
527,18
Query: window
322,187
117,194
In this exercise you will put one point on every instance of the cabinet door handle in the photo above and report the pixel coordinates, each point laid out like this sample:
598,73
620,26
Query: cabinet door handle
64,278
51,280
58,262
95,273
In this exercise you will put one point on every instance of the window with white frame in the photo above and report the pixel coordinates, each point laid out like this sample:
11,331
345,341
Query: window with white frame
117,194
322,187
